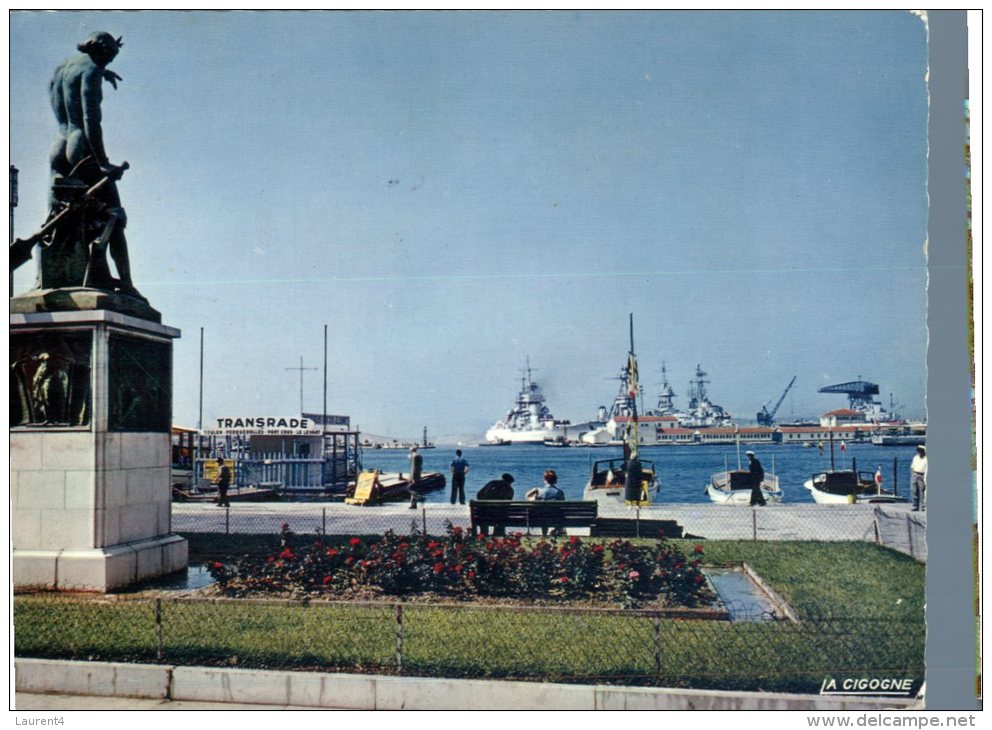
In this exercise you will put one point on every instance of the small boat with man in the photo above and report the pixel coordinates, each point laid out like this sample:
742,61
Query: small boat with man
608,482
737,486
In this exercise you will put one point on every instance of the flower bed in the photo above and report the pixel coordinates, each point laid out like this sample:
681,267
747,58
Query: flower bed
459,565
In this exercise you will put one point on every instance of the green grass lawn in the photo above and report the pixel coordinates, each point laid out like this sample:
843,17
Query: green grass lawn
831,579
861,608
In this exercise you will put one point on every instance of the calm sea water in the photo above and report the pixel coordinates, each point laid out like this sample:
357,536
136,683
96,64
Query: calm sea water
684,470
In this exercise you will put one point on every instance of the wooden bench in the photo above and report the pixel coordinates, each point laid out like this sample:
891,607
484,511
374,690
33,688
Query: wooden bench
619,527
494,513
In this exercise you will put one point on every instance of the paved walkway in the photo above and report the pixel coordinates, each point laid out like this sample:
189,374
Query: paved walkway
83,685
710,521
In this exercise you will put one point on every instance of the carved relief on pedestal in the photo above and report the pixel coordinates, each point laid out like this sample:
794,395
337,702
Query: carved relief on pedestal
50,377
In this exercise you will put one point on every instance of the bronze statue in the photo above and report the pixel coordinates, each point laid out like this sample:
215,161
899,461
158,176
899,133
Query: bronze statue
85,217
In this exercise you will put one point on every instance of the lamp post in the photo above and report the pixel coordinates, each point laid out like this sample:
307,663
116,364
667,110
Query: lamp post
13,204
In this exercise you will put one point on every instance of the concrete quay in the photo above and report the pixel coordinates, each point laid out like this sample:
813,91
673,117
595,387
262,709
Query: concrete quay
894,525
73,685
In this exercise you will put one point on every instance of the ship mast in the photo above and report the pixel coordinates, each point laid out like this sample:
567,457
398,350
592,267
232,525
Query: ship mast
632,437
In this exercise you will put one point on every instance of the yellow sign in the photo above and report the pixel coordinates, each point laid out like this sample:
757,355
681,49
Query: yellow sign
211,470
364,488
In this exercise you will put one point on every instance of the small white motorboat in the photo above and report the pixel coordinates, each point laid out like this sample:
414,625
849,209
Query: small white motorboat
734,487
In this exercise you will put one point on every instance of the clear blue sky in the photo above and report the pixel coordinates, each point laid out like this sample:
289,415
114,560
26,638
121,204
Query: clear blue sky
452,192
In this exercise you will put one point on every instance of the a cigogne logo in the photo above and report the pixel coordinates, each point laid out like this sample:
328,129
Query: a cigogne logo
883,686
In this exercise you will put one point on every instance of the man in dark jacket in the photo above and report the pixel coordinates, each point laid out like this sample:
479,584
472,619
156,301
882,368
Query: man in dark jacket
497,489
757,477
223,482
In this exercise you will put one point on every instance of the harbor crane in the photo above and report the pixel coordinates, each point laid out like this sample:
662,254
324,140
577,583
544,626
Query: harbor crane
766,417
859,393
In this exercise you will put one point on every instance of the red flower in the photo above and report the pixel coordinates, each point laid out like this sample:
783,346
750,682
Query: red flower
598,548
633,575
573,539
490,545
327,579
284,526
438,567
471,574
270,559
698,549
458,531
217,566
437,553
699,579
354,542
564,579
331,552
349,560
431,545
458,568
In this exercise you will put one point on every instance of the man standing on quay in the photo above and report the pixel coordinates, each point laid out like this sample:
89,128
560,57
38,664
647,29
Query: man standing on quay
459,468
918,479
757,477
223,482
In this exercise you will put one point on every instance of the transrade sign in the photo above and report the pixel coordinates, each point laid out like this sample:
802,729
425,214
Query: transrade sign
263,426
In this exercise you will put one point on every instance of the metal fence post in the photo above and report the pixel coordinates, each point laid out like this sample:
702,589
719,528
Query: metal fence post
227,520
878,537
399,636
159,643
657,645
637,521
754,524
323,521
424,510
909,532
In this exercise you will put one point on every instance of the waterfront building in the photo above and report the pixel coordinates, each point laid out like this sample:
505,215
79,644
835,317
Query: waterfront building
306,453
815,435
843,417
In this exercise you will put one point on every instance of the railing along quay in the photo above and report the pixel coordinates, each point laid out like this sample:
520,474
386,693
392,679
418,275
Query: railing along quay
892,525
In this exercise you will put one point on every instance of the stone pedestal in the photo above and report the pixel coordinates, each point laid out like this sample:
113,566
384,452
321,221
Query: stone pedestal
90,450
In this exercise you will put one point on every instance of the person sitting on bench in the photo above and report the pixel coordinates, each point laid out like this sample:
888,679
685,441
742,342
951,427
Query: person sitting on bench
548,492
497,490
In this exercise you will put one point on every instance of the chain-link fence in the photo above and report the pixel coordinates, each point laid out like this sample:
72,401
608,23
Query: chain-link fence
892,526
623,647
